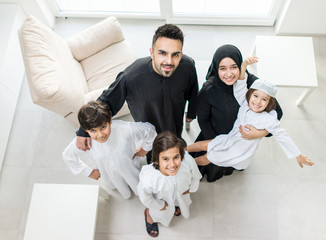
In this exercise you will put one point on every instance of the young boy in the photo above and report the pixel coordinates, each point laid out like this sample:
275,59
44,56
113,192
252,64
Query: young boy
116,146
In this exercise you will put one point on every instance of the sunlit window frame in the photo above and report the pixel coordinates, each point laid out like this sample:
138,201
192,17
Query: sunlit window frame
167,15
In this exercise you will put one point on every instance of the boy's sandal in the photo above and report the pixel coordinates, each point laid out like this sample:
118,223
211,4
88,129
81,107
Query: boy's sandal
177,211
152,229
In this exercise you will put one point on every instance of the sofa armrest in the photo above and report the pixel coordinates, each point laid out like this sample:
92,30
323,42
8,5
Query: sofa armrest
95,38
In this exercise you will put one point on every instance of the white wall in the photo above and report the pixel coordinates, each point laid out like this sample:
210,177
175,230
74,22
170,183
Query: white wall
302,17
37,8
11,69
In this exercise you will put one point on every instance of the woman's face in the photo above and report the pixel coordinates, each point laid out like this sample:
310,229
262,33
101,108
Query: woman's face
228,71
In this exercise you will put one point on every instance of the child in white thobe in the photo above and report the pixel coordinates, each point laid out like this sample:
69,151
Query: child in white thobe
256,109
114,153
166,183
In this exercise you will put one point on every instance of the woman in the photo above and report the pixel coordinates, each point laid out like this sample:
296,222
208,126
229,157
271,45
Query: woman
217,107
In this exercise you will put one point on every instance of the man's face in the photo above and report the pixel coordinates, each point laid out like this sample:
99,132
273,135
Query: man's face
166,55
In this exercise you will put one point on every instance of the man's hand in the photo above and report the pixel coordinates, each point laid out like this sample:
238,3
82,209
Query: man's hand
83,143
140,152
249,132
95,174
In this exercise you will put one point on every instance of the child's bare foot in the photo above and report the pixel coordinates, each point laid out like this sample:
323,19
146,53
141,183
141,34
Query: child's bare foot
177,211
151,227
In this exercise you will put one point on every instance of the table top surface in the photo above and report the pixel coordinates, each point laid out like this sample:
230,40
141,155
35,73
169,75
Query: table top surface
62,211
286,61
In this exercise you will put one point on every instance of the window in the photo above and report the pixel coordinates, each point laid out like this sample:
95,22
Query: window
219,12
115,7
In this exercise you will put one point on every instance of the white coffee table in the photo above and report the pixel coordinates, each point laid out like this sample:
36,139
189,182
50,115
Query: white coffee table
62,211
287,62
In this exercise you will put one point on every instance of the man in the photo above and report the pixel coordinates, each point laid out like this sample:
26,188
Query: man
156,88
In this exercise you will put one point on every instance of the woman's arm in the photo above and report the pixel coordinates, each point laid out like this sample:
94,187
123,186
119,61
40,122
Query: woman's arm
203,109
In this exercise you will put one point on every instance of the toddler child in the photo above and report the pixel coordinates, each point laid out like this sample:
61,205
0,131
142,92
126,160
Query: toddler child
257,108
165,185
116,148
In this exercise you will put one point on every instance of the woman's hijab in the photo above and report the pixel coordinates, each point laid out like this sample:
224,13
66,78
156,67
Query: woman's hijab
224,51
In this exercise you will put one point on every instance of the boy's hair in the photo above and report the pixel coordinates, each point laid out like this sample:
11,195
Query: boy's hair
164,141
94,114
270,106
169,31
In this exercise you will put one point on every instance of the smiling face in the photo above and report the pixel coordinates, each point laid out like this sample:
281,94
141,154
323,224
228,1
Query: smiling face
102,133
170,161
166,55
228,71
258,101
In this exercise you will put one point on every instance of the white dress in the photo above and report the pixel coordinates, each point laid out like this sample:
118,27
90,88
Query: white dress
155,189
114,157
230,150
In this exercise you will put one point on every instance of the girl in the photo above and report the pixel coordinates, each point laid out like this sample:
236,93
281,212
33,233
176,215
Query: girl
165,185
216,106
257,109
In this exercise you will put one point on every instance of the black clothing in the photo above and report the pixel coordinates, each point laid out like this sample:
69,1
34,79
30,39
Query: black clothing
217,108
153,98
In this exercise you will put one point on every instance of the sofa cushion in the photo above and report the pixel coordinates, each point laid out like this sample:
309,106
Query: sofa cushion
55,78
95,38
102,68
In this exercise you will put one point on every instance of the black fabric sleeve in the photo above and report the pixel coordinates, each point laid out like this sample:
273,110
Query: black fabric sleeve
82,133
191,93
115,95
203,108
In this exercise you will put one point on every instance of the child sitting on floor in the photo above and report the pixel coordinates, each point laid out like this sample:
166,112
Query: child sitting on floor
257,108
116,148
165,185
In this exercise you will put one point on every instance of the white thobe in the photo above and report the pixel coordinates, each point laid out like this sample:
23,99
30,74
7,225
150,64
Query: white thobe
230,150
155,189
113,158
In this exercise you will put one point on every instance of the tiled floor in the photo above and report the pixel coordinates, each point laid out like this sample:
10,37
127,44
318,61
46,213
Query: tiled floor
273,199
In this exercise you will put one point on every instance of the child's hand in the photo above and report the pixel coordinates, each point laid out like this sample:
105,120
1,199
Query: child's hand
301,159
140,152
250,60
95,174
165,205
244,65
186,192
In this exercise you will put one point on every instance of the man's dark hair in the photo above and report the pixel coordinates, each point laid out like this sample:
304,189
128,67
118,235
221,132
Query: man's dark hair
168,31
164,141
94,114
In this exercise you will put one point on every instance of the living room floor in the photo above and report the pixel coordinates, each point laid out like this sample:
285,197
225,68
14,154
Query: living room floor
273,199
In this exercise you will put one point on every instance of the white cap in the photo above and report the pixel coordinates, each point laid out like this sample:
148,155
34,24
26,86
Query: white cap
265,86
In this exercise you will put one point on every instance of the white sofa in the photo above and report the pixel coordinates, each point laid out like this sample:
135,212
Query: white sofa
63,74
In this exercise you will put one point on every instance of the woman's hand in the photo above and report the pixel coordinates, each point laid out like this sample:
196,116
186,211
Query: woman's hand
249,132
